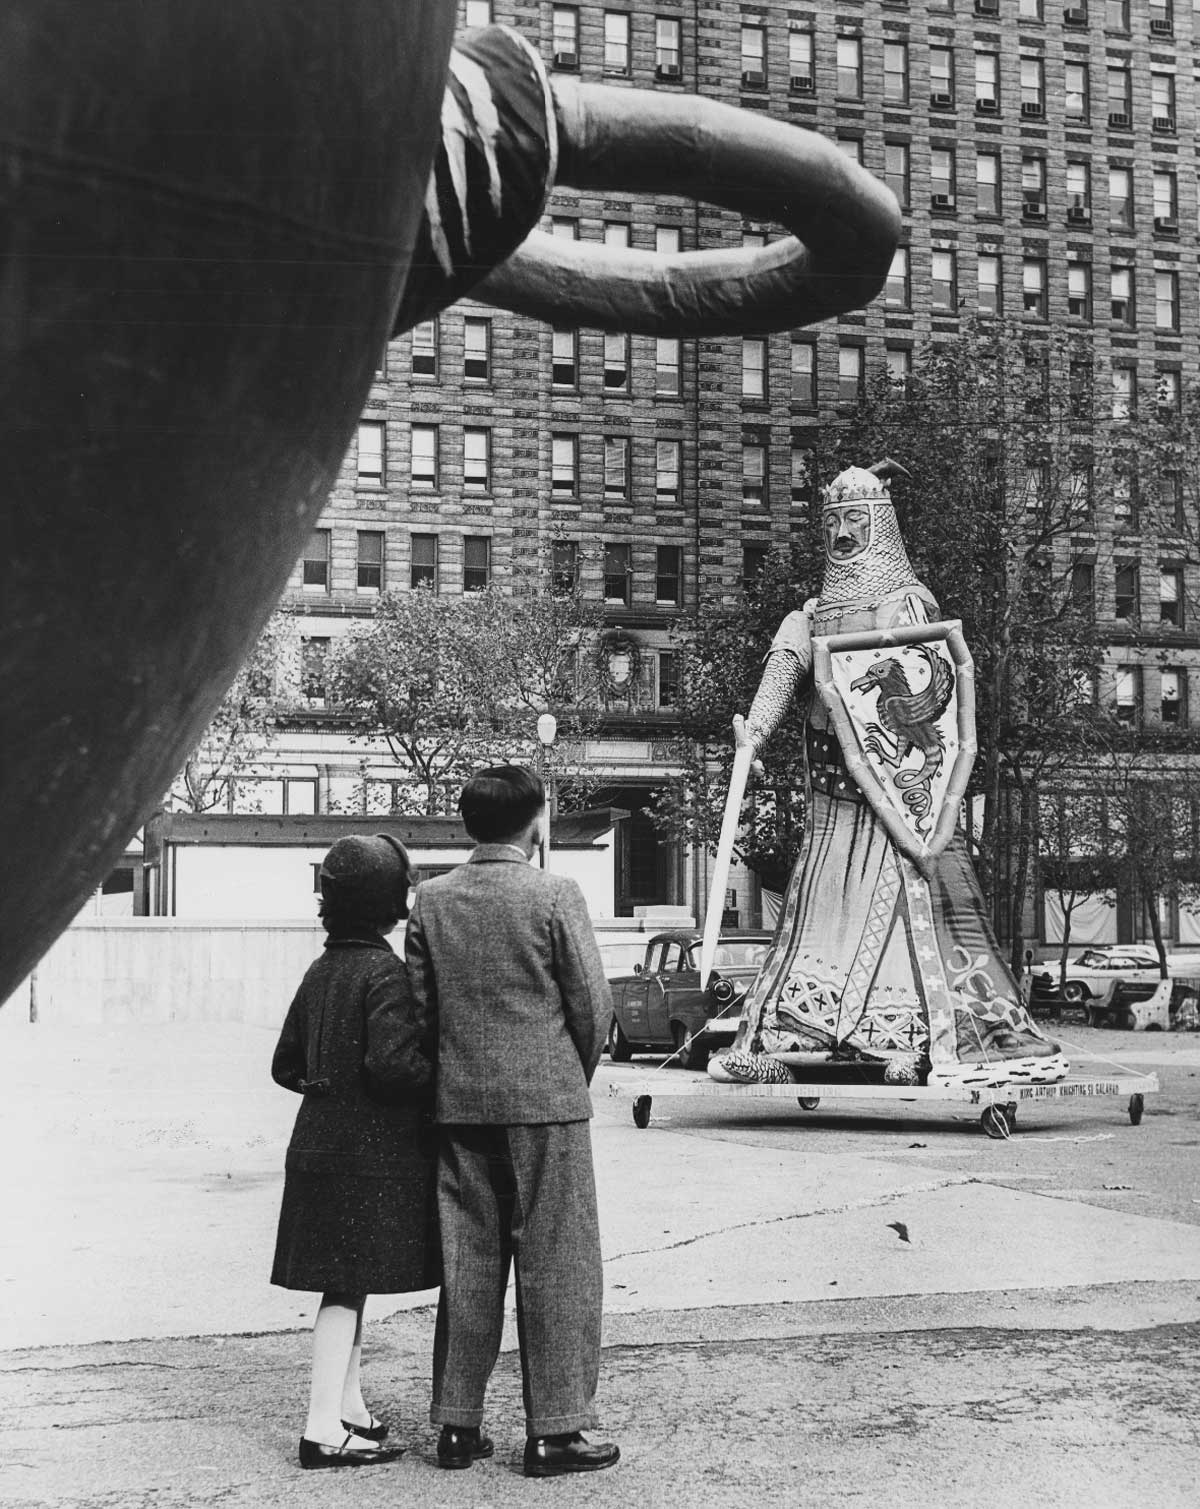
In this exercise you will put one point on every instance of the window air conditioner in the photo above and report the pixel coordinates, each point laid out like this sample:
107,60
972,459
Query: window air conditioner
1166,225
753,78
1030,107
1079,213
1118,118
1161,26
802,83
942,100
942,201
1164,123
668,71
985,106
566,60
1033,209
1075,15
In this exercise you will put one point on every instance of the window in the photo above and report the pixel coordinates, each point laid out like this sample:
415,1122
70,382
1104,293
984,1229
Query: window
616,363
804,374
849,68
564,566
1033,187
666,240
991,293
1120,96
1083,587
564,31
754,368
1120,198
1077,91
1033,86
898,360
1124,391
1170,597
754,471
1121,489
1166,300
1116,15
370,452
754,558
616,41
1162,102
1123,311
895,73
897,171
423,447
425,349
564,465
1168,397
565,227
941,77
1037,381
987,183
314,663
477,349
1166,201
1030,10
1079,190
898,292
943,177
616,467
668,574
667,458
618,234
1033,284
1035,486
801,75
850,374
668,47
477,452
754,57
422,570
1171,692
666,366
477,12
1126,590
314,570
1079,290
1079,490
617,568
1162,16
370,560
564,367
1125,695
987,82
668,678
477,562
851,147
804,473
1170,502
1080,388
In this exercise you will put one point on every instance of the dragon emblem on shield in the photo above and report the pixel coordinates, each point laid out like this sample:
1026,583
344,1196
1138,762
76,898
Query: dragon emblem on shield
907,722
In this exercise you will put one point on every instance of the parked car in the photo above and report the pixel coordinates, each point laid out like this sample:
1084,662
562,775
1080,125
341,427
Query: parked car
661,1006
1158,1005
1096,971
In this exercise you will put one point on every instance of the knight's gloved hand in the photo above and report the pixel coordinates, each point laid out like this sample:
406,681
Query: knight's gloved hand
742,738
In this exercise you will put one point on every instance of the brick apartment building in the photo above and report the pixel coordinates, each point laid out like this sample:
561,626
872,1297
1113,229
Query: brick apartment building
1045,157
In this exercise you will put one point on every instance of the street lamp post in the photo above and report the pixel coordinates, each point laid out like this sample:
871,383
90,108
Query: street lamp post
547,731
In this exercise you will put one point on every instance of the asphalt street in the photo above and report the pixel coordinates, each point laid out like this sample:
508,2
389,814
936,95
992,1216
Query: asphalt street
854,1305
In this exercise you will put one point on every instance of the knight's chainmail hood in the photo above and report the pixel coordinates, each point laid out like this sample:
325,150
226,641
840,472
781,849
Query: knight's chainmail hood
883,566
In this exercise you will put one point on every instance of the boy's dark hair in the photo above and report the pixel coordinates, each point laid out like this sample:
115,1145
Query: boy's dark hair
498,802
365,884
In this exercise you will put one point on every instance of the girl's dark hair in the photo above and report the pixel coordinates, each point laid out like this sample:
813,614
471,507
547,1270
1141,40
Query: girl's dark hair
498,802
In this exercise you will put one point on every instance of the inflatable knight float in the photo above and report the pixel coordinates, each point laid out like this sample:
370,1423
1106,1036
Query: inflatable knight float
883,963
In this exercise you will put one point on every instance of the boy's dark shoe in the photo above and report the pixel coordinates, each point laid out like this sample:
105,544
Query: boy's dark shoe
551,1456
460,1445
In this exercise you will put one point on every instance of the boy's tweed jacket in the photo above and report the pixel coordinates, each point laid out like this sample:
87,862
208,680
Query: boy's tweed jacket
502,957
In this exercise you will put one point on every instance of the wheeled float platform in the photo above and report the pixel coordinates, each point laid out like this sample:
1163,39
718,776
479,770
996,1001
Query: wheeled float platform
1000,1100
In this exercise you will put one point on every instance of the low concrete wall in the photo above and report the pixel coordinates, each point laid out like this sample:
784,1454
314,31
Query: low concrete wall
124,970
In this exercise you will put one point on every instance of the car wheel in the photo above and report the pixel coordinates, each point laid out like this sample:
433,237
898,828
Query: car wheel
1074,992
619,1049
690,1053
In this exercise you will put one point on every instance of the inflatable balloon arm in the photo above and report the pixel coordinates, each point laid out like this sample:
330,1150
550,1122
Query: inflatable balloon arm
510,134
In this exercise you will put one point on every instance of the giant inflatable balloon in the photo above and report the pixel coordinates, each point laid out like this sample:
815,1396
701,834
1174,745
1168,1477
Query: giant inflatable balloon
212,216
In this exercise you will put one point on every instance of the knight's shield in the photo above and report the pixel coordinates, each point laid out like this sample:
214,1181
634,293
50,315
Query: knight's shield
902,703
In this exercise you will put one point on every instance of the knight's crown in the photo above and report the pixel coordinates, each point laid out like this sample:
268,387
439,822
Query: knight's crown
857,485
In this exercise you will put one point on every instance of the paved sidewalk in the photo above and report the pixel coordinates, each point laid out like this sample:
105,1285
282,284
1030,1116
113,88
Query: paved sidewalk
899,1314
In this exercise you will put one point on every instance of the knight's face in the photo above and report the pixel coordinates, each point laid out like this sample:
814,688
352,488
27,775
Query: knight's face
847,531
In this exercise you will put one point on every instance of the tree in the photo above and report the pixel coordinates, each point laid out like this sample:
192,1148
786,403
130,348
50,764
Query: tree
1074,852
996,431
722,646
244,726
452,683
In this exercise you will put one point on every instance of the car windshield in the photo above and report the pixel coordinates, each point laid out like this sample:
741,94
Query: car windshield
734,954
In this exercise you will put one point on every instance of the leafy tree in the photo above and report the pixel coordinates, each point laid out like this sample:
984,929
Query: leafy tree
1074,852
452,683
1005,465
245,725
722,646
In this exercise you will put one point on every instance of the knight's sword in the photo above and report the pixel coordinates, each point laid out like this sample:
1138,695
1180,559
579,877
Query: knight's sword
742,759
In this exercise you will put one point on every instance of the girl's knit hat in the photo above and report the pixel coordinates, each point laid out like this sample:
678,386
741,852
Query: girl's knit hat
367,875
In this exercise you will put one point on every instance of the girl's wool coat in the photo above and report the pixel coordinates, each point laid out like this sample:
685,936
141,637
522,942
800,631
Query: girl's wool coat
359,1211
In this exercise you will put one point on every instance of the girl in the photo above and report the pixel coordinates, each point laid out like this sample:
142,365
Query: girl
359,1199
